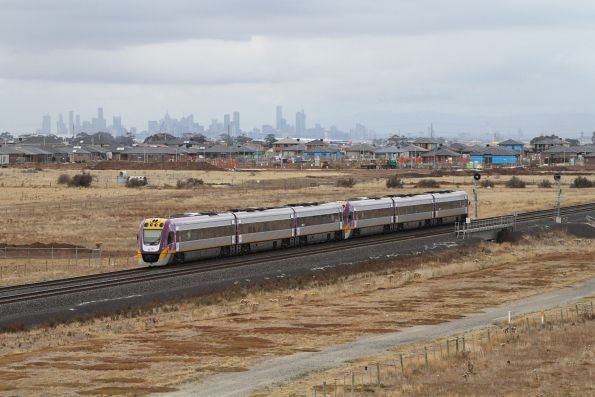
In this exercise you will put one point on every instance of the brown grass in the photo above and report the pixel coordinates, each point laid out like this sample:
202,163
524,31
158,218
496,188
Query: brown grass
109,214
556,358
196,338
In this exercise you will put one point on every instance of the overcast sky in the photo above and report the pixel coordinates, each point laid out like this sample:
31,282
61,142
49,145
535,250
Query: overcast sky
465,65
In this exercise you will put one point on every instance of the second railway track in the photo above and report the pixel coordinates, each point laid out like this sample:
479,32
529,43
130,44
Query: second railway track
26,292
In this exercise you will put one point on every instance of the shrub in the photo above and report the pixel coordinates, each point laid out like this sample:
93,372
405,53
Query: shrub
64,179
581,181
394,182
81,180
346,182
544,184
427,183
487,183
189,183
136,182
515,183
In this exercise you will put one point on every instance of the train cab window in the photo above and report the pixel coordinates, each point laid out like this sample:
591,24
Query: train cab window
170,237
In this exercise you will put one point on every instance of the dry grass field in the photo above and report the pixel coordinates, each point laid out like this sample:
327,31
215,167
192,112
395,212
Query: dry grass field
550,359
157,348
36,209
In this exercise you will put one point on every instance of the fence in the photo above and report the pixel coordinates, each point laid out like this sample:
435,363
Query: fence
463,229
18,262
376,377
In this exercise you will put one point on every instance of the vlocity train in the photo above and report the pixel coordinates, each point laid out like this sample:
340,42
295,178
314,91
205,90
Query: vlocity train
192,236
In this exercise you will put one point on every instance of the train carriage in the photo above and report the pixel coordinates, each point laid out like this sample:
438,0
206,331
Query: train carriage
318,222
369,216
265,229
414,211
450,206
204,235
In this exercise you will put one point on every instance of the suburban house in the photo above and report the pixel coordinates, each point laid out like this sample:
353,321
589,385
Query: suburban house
360,151
542,144
442,156
495,155
512,145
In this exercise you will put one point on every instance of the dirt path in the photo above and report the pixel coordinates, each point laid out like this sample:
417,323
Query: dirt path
284,368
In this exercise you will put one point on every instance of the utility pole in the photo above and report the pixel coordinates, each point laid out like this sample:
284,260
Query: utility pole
557,178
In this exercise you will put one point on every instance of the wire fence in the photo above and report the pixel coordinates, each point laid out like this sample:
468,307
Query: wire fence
19,262
378,377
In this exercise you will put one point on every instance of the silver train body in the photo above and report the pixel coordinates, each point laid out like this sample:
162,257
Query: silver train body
194,236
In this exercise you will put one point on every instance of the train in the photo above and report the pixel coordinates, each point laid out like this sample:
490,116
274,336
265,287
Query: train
200,235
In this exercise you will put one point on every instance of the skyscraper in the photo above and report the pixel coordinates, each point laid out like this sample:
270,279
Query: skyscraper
300,123
46,125
279,118
235,128
61,128
70,126
226,123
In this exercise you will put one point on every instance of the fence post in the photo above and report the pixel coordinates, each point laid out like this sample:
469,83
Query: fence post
426,355
335,390
324,389
463,344
576,313
489,335
76,256
402,366
528,325
457,344
352,382
378,374
447,348
561,316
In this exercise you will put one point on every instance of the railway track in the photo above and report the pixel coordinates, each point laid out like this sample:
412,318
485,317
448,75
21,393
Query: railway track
21,293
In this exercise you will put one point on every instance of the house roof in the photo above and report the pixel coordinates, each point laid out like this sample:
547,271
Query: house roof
458,146
563,149
549,141
360,147
390,149
494,151
510,142
425,140
441,152
414,148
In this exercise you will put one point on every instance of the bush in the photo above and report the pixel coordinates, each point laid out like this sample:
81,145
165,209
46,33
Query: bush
581,181
515,183
189,183
487,183
64,179
545,184
136,182
394,182
81,180
346,182
427,183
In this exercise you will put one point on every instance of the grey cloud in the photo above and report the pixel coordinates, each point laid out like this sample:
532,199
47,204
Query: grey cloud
46,25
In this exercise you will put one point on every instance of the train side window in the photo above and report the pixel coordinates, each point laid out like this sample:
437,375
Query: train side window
170,237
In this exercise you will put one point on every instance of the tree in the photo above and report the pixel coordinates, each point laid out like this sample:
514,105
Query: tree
242,139
7,136
198,138
269,140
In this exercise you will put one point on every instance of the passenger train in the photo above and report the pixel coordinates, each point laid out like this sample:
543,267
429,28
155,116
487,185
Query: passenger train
199,235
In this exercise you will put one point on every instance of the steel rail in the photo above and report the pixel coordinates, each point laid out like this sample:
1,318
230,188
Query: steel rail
85,283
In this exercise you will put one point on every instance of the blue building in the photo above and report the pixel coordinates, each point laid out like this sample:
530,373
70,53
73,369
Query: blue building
495,155
512,145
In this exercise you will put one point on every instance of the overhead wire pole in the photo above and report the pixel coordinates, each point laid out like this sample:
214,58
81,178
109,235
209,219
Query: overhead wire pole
557,178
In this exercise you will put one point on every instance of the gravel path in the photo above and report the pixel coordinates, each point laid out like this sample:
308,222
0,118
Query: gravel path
283,369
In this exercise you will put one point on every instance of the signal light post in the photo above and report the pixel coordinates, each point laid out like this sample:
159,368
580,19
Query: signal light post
557,178
476,178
